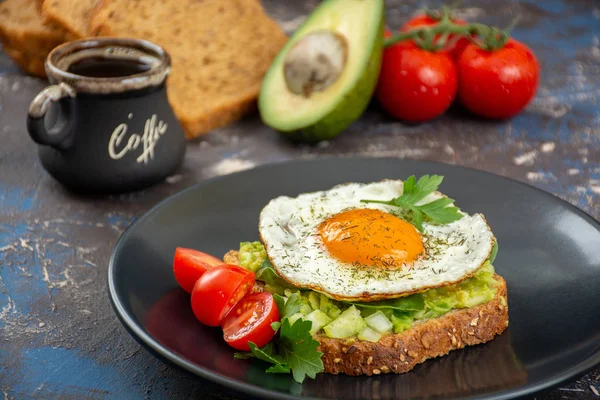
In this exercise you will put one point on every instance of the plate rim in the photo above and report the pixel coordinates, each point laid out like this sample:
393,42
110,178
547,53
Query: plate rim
159,350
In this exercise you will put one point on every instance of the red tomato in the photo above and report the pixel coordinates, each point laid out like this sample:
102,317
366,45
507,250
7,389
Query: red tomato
454,47
218,290
250,321
189,265
500,83
414,84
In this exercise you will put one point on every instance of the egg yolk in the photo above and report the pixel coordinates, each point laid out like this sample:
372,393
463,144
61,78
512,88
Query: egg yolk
371,237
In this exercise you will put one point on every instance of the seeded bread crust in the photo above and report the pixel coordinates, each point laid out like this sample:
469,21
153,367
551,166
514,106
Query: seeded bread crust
401,352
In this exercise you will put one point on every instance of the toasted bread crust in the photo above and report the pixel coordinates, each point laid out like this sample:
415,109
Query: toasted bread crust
232,257
401,352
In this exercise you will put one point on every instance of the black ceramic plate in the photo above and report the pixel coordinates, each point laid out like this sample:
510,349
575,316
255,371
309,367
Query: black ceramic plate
549,255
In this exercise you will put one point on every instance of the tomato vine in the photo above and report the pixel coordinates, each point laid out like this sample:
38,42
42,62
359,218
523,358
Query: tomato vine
438,36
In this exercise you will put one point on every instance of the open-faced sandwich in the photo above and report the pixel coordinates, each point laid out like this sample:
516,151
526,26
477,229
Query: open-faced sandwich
359,279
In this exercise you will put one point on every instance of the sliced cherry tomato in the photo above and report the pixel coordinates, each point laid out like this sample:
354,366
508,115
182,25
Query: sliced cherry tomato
250,321
454,46
218,290
416,85
499,83
189,265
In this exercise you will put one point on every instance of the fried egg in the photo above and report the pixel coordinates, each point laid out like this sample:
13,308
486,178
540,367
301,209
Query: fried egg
331,242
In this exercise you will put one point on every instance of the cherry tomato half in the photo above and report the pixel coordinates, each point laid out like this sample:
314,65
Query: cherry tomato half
218,290
499,83
416,85
250,321
454,46
189,265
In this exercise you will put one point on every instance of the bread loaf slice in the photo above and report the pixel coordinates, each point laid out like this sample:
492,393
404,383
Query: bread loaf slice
25,38
72,15
220,52
32,64
401,352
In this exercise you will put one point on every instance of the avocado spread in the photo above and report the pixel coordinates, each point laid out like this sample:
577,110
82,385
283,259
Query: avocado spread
370,320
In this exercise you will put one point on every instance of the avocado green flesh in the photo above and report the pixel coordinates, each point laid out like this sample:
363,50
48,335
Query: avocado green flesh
346,320
324,114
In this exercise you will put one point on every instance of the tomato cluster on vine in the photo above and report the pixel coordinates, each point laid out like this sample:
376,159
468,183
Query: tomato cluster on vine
436,58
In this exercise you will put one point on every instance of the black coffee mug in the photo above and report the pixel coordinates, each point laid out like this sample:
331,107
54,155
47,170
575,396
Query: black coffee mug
105,123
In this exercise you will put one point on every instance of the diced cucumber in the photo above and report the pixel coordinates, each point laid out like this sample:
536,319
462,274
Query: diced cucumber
328,307
379,322
313,299
401,322
369,334
334,311
324,303
349,323
319,319
295,317
305,309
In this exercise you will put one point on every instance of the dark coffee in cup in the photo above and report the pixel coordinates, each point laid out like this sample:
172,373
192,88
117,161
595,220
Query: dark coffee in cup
105,123
103,67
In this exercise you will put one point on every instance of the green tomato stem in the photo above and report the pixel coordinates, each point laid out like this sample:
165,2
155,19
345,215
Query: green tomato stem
434,38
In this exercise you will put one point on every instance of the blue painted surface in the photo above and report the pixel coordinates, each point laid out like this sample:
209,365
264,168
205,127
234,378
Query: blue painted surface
58,335
55,370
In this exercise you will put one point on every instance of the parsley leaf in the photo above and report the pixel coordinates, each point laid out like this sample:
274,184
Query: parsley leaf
266,353
442,211
288,307
299,349
294,349
275,326
414,302
278,369
267,274
494,252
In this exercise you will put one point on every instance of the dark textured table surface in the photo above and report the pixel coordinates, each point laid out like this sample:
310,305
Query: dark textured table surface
59,337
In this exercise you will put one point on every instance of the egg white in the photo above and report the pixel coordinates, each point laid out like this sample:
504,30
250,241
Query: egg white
289,230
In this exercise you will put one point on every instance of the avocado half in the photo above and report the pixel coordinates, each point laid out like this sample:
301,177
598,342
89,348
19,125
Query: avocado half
323,113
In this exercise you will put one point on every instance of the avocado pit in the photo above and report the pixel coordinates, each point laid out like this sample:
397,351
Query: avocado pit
315,62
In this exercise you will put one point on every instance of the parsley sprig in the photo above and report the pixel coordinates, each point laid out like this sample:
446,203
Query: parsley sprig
441,211
294,349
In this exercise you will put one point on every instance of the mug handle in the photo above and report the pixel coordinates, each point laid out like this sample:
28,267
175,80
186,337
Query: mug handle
61,134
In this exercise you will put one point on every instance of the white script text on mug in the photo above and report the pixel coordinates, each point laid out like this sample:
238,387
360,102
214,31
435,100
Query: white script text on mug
153,130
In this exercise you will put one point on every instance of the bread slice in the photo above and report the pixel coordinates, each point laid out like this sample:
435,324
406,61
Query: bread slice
220,52
25,38
33,64
401,352
72,15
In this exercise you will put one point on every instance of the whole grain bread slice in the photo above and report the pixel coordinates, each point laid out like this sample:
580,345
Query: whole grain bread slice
72,15
26,39
401,352
33,64
220,51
